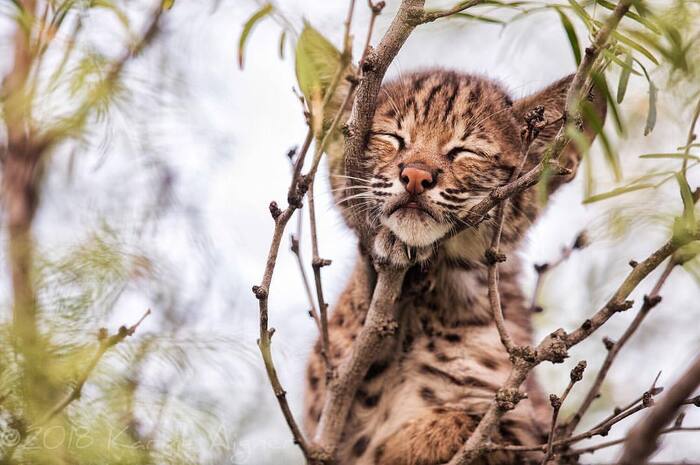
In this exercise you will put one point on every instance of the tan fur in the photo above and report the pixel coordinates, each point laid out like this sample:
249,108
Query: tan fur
426,392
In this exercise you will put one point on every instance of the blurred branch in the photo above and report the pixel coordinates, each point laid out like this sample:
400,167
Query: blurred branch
642,439
691,137
106,342
543,268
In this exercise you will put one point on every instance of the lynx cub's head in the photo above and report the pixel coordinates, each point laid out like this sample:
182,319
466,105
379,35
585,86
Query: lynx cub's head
441,141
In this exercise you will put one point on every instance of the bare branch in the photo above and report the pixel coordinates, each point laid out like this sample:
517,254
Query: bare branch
534,122
106,342
691,137
650,301
380,323
543,268
317,263
642,439
575,376
374,67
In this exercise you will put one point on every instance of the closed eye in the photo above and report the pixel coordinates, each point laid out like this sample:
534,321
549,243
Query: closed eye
465,152
397,141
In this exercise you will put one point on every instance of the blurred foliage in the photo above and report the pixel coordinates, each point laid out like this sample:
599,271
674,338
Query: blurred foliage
135,403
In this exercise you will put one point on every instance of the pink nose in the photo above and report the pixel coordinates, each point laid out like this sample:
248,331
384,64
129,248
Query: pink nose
416,180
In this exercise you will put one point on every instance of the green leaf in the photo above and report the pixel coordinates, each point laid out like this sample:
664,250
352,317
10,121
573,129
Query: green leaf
602,85
624,78
689,146
483,19
616,192
597,125
635,45
317,61
571,35
651,115
632,15
167,4
670,155
248,27
684,226
687,252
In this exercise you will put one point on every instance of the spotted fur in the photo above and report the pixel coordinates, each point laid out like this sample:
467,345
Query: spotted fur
428,388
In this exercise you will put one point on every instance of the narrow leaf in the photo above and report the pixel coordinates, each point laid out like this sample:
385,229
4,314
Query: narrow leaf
680,156
602,85
635,45
688,201
248,27
651,115
571,35
597,125
616,192
624,78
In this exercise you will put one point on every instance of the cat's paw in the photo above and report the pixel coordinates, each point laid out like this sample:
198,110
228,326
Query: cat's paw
389,250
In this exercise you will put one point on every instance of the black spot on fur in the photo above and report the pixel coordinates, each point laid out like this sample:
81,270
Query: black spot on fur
376,369
372,401
313,382
428,395
360,446
453,338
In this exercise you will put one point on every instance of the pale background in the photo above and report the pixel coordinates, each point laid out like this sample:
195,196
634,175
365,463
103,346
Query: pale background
217,138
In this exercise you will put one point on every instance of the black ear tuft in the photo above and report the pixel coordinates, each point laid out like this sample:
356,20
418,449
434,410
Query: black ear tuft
553,99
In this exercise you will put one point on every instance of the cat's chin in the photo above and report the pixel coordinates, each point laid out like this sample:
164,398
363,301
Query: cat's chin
415,228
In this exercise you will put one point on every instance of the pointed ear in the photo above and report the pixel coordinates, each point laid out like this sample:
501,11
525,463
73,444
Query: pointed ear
553,99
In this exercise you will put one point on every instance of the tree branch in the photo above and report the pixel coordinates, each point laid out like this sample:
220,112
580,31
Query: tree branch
380,323
642,439
650,301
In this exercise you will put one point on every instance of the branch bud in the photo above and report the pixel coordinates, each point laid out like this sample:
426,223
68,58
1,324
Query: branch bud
493,256
621,306
275,210
577,372
260,292
608,343
651,302
508,398
555,401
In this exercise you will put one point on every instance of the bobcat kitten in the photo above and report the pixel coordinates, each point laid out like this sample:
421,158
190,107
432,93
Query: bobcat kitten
440,142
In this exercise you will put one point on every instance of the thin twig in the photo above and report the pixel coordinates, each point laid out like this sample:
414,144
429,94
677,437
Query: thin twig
642,439
650,301
430,16
380,323
317,263
106,342
691,137
297,189
542,269
615,442
534,122
295,239
575,376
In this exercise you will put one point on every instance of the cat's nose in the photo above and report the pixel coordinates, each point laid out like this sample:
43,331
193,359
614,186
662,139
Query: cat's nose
416,180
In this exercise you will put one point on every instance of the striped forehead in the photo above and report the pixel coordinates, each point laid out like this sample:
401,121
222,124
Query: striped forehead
444,104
